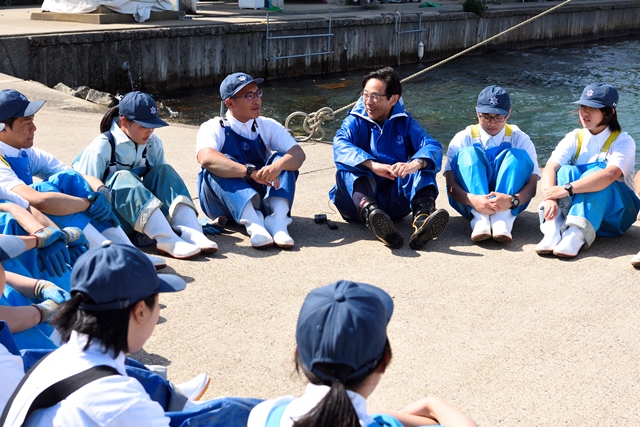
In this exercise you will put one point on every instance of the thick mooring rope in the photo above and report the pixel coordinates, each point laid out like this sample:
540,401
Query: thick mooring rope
313,122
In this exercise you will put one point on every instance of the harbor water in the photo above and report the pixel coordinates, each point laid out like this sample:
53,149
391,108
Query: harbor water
542,83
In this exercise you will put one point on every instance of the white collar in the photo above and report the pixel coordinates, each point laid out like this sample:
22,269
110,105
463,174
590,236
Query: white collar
78,341
600,138
9,151
237,123
485,137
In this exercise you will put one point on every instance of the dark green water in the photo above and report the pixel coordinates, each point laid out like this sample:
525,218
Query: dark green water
542,84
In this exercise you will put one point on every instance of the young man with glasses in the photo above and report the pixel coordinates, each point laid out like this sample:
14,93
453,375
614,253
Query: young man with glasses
249,165
492,169
387,165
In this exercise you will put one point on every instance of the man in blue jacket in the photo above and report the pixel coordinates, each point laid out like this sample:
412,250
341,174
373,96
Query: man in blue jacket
387,165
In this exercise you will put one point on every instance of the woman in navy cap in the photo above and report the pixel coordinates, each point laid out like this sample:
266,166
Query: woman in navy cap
147,194
587,184
343,350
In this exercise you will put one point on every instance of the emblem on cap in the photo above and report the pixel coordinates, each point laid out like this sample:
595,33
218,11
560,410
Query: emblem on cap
493,100
590,93
24,98
242,78
154,110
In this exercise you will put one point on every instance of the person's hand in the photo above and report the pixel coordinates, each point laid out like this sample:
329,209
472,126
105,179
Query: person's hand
500,201
269,174
482,204
551,209
554,193
383,170
46,308
402,169
54,259
46,290
106,191
100,208
77,243
49,235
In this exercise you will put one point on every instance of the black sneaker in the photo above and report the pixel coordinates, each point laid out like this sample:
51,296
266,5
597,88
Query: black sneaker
382,226
428,227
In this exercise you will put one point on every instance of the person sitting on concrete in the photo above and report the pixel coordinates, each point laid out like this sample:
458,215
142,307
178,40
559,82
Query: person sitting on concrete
147,194
492,169
343,350
587,184
249,165
67,197
387,165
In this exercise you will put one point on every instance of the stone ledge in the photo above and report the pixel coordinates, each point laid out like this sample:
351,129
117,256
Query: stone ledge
103,15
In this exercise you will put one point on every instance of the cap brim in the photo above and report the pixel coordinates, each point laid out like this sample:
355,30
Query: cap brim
591,104
11,247
152,124
239,88
171,283
34,107
491,110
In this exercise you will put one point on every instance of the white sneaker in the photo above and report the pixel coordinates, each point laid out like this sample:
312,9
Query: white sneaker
501,226
572,241
481,225
195,388
635,261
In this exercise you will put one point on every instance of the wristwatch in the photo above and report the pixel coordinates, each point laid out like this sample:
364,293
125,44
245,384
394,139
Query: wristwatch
250,169
569,189
515,202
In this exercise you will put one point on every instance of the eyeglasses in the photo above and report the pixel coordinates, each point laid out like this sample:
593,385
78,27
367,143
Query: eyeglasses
374,97
250,96
486,118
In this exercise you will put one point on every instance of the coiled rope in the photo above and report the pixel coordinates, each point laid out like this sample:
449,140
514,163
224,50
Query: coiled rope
313,121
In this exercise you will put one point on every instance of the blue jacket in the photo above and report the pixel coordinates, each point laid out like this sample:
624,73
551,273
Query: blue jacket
401,139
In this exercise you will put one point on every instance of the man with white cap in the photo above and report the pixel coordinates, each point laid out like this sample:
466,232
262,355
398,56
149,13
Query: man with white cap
69,198
492,169
249,165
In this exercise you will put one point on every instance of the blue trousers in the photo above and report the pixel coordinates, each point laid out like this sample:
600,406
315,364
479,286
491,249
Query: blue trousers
229,196
135,198
72,183
394,196
608,212
476,174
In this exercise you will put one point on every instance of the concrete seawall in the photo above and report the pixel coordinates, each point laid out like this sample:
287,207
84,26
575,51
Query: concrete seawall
169,58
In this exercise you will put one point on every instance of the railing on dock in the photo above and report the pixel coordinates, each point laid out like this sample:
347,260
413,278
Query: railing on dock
328,35
399,32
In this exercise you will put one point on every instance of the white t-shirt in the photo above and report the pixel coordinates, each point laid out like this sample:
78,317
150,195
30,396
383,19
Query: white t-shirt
274,135
519,140
11,372
43,165
622,153
9,195
303,405
116,400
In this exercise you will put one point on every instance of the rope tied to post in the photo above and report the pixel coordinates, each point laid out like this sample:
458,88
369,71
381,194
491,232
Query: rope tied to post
313,122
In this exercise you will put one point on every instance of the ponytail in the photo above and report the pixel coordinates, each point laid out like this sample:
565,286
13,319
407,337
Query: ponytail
335,409
107,119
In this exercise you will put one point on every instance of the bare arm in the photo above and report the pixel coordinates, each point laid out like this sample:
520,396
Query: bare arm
502,201
52,202
20,318
94,182
219,164
290,161
23,284
432,410
25,219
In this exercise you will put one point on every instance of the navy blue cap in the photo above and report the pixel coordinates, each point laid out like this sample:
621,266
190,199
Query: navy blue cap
10,247
116,276
494,100
14,104
599,95
343,323
234,83
142,109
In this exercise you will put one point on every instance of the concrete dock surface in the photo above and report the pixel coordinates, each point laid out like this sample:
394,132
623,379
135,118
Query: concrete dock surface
507,336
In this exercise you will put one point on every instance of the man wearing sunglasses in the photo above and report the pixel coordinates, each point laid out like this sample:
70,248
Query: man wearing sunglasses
387,165
492,169
249,165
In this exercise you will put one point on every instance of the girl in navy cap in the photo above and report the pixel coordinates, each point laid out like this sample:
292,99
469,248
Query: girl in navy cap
147,194
343,350
587,184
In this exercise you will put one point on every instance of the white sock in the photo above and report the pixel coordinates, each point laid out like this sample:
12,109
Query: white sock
186,222
95,238
254,223
277,222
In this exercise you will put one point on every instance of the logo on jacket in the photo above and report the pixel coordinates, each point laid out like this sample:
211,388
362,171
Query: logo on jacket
399,140
245,146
